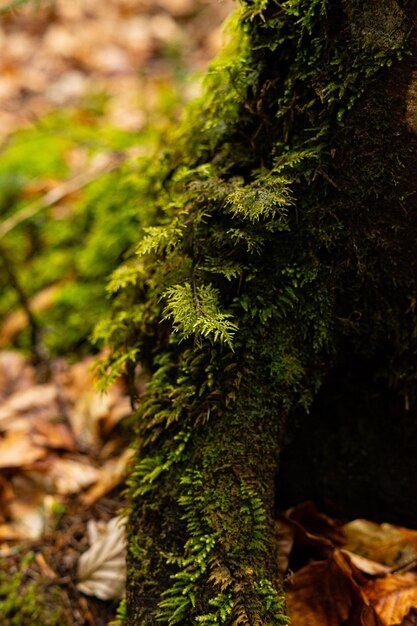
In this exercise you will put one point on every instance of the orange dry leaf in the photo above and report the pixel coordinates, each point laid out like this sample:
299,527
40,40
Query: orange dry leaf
328,593
17,450
373,568
392,596
411,619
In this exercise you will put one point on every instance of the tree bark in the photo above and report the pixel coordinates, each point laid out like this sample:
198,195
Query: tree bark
287,256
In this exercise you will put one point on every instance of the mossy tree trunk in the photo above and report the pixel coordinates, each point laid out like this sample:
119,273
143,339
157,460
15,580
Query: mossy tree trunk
283,246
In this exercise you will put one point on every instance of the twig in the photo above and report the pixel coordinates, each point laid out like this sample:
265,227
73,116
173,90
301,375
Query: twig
59,192
39,356
12,5
407,565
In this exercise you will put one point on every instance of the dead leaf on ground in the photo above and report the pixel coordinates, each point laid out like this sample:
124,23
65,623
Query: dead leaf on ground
39,400
308,529
385,543
328,593
373,568
17,450
16,373
52,435
354,585
392,596
101,569
111,474
63,476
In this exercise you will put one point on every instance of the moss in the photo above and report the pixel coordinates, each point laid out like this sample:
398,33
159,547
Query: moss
273,252
24,602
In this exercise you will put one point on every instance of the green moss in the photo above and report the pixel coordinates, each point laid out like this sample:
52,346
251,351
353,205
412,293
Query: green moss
24,602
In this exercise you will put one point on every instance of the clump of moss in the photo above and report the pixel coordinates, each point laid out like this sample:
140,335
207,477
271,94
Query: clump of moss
25,602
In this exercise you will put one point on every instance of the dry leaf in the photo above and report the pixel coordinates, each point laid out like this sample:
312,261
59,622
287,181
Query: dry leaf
315,523
316,533
39,400
52,435
410,619
16,450
392,596
30,510
63,476
112,474
101,569
385,543
373,568
15,373
328,593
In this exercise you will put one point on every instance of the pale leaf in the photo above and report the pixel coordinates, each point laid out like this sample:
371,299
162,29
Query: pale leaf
64,476
102,568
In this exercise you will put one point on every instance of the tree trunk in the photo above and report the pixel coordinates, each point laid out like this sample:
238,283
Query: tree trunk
284,257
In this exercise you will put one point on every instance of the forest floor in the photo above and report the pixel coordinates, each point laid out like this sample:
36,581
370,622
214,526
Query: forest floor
118,69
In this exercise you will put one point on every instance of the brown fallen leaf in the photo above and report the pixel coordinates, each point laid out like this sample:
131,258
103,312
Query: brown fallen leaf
328,593
63,476
17,450
372,568
385,543
315,523
29,515
16,374
392,596
111,474
92,413
52,435
40,400
314,534
410,619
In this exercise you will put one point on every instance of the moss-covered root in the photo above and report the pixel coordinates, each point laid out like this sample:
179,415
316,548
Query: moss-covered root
201,535
278,248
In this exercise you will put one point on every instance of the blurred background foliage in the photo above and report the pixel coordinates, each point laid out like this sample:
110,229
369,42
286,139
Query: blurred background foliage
87,93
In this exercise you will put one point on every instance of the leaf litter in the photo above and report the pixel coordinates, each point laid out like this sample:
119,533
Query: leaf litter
358,573
56,484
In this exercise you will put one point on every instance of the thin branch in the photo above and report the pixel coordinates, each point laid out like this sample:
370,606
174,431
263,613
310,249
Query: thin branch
59,193
39,356
408,565
12,5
